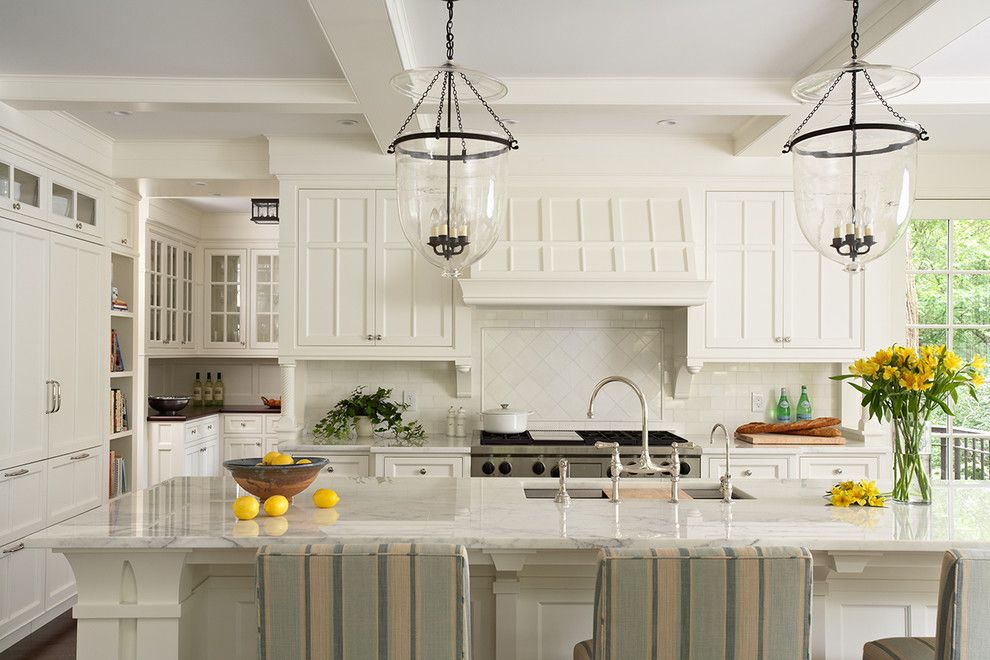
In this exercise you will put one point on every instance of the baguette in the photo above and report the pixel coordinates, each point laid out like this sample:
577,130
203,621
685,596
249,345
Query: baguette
789,427
825,432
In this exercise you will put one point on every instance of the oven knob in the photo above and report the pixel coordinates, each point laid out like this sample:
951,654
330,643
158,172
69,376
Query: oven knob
555,471
685,468
488,467
505,467
539,467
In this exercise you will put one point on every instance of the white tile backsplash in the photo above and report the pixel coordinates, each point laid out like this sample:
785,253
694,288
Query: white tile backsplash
548,360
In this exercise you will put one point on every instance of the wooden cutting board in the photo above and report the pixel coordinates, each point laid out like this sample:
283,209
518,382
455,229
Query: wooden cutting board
658,493
787,439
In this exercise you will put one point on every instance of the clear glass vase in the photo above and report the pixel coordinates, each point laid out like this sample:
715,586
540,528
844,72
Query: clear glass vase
912,461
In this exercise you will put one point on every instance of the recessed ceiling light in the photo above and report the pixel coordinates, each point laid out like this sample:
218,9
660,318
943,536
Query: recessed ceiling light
667,122
201,184
120,113
347,122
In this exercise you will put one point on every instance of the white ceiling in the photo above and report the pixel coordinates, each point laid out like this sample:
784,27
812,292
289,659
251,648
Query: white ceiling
235,38
968,55
220,125
218,204
580,38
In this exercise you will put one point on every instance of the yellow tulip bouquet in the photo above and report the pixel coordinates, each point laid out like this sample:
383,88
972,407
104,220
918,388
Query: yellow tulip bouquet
906,386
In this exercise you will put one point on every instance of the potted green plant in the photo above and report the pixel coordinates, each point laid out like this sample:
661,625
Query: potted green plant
368,414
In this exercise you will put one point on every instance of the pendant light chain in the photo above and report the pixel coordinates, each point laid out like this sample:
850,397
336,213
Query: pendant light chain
821,102
854,37
450,30
505,129
405,124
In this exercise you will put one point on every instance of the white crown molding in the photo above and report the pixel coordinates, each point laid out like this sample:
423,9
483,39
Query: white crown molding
400,29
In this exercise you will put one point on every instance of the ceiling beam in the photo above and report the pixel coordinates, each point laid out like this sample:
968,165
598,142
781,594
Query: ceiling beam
903,33
144,94
361,37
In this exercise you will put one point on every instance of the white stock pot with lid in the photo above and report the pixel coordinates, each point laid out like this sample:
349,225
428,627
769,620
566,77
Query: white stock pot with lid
505,420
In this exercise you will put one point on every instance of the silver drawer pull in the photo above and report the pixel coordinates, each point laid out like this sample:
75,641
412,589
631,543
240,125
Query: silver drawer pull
837,471
243,425
257,444
193,431
329,468
209,427
16,473
422,470
202,448
747,473
78,457
16,548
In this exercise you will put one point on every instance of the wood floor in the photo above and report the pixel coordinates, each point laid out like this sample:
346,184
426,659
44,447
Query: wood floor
55,641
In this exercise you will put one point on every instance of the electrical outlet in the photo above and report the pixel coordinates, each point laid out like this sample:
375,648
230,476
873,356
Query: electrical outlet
759,401
410,399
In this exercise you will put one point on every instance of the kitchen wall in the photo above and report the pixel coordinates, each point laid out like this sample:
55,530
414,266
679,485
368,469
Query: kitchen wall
548,361
245,380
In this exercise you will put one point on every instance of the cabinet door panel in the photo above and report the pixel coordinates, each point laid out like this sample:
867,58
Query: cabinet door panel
24,396
243,447
122,223
22,574
264,298
75,484
423,466
77,341
60,581
413,303
336,267
226,306
22,501
745,252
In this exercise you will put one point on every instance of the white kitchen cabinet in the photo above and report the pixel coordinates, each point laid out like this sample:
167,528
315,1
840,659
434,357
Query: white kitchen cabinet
77,298
840,467
750,467
171,299
22,501
60,581
24,394
122,224
342,463
226,286
21,188
241,424
424,465
264,299
76,207
203,459
22,574
359,282
75,483
774,297
243,446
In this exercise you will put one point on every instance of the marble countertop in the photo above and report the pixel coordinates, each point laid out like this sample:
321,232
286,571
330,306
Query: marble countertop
433,443
494,514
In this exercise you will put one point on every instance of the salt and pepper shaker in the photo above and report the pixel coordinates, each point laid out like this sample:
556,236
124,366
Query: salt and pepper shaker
451,422
460,430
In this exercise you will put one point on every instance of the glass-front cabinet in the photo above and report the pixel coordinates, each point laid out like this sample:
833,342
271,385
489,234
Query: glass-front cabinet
264,313
20,187
225,288
171,296
75,208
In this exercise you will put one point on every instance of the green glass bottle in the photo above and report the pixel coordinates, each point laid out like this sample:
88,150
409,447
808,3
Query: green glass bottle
783,406
197,397
804,405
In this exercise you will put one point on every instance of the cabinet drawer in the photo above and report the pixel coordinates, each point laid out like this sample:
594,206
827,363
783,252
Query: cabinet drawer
271,423
22,574
767,467
251,424
75,484
346,465
840,468
22,501
201,429
423,466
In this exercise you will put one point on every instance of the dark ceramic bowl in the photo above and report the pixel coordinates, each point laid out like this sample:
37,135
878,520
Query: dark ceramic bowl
168,405
263,481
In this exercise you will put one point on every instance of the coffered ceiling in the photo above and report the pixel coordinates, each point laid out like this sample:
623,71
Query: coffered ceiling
241,69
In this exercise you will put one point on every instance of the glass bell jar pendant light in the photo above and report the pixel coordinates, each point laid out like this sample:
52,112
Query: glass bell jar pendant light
450,181
854,183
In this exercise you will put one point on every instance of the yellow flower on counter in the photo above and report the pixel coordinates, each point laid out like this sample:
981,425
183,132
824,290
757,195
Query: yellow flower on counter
979,362
976,379
883,357
862,493
890,373
842,499
953,362
870,487
905,355
867,368
875,500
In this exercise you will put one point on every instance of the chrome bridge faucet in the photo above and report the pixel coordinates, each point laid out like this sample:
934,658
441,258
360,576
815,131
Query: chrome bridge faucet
644,464
725,481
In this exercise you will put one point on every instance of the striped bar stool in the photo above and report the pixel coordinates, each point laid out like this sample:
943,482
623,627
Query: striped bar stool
961,630
343,602
701,603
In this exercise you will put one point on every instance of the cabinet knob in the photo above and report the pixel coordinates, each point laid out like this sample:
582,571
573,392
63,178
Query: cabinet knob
378,337
422,470
243,343
123,241
243,424
747,473
837,471
329,468
257,444
778,339
17,206
202,448
210,427
78,225
787,340
371,338
193,431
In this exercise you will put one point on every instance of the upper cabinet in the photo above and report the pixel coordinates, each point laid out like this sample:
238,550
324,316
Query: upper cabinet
361,285
242,300
774,297
122,223
21,186
264,313
171,298
75,208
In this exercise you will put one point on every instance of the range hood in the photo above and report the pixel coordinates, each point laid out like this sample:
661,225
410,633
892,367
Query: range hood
615,247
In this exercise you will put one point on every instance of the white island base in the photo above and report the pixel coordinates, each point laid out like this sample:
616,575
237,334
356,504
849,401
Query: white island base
167,574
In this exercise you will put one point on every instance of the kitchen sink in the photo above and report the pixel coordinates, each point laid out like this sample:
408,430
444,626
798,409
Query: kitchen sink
575,493
714,494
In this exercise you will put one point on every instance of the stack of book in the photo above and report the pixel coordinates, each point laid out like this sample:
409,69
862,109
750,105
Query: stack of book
118,411
118,305
118,475
116,355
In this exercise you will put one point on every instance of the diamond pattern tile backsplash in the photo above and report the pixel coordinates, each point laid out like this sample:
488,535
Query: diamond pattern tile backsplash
552,370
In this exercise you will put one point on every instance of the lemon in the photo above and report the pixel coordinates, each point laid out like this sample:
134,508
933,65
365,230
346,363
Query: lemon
269,457
303,461
276,505
325,498
282,459
275,526
246,528
246,507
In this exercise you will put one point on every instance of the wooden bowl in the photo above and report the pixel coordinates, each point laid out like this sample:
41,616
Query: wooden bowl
263,481
272,403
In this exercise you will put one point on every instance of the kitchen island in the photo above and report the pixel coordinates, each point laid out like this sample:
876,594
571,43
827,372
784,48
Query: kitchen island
168,572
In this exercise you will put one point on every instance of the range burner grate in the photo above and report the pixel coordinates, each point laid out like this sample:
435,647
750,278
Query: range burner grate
624,438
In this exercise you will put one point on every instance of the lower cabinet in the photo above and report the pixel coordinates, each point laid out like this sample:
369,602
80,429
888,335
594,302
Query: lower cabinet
422,465
75,483
844,467
840,466
60,581
22,500
203,458
764,467
22,574
344,465
248,435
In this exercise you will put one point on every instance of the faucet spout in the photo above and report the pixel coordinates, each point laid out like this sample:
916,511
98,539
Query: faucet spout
725,481
645,465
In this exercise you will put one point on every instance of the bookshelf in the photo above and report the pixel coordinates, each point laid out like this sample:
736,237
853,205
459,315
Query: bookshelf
122,363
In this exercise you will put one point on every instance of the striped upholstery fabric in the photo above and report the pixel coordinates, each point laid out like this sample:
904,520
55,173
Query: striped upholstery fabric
695,604
347,602
961,632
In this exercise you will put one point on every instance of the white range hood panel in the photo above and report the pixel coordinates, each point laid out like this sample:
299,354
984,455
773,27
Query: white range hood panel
578,246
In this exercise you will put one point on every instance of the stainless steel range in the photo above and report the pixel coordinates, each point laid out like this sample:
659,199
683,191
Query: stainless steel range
536,453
